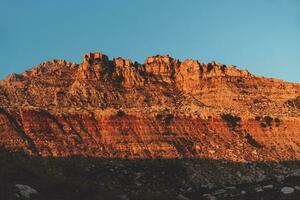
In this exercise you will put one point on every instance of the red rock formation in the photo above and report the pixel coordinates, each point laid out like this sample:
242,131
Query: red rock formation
189,75
162,108
126,73
94,66
161,68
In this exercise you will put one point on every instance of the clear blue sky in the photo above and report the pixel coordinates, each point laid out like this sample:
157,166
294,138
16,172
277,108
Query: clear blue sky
260,35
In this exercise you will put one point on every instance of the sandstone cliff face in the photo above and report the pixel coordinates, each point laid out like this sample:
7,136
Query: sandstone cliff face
163,108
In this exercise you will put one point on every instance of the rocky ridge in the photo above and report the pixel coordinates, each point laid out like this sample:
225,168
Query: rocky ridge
162,108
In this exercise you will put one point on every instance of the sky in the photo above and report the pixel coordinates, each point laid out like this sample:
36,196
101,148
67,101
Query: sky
262,36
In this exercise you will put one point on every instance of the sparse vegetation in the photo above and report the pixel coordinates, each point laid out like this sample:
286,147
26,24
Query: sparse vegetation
231,120
159,116
258,118
120,113
168,119
268,120
264,125
277,121
252,141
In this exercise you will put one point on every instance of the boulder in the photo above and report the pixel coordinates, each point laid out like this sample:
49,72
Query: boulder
25,190
287,190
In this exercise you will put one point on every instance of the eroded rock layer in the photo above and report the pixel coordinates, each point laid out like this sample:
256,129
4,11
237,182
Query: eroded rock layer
163,108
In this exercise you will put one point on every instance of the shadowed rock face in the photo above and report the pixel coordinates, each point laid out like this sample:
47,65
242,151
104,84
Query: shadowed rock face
163,108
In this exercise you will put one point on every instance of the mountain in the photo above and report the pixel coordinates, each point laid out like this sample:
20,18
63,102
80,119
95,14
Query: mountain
163,108
160,110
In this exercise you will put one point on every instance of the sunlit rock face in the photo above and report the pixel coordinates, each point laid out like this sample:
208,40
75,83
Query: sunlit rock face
164,108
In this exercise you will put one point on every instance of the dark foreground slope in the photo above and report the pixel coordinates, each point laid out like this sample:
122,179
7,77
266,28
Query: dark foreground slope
85,178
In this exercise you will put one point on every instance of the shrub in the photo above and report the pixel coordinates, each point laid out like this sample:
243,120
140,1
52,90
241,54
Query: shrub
169,118
277,121
252,141
268,120
264,125
159,116
165,118
120,113
258,118
231,120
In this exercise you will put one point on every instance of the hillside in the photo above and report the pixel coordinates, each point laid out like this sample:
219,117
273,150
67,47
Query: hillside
164,109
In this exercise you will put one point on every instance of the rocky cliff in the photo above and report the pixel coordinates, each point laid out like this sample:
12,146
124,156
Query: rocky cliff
164,108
